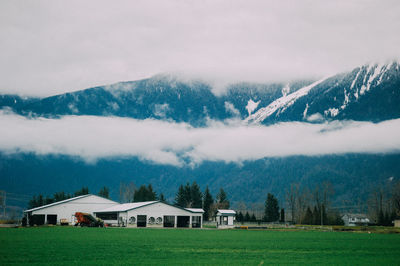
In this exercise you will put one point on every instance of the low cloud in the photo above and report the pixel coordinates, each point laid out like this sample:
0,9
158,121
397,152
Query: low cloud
92,138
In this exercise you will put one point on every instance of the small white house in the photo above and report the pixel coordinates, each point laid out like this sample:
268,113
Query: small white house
355,219
225,218
151,214
65,209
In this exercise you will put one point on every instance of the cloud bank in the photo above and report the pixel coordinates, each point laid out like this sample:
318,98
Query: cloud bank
53,46
179,144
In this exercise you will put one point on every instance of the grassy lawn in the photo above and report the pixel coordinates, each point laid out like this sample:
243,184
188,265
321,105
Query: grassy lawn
124,246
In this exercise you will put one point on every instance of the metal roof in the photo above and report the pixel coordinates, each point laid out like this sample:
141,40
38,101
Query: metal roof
64,201
199,210
135,205
126,206
226,212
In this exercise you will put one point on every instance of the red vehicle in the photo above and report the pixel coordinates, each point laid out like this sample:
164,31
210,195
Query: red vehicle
86,219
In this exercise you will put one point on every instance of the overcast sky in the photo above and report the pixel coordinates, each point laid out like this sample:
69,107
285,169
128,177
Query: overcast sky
49,47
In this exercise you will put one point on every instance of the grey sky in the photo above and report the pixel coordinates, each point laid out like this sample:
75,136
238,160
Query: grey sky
49,47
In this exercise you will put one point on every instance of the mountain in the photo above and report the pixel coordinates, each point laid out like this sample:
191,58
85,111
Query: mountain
354,176
367,93
160,97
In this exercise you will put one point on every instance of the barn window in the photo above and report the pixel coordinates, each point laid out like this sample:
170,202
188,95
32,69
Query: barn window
159,220
196,221
107,215
132,220
152,220
169,221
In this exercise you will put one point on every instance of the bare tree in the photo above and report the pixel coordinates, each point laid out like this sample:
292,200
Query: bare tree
126,192
291,198
303,201
396,198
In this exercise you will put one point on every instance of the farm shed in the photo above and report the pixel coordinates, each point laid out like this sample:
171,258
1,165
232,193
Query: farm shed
151,214
225,218
65,209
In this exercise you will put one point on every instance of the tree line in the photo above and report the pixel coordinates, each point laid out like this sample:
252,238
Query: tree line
384,203
312,206
190,196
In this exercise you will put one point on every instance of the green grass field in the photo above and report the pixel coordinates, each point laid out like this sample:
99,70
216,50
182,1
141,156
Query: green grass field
124,246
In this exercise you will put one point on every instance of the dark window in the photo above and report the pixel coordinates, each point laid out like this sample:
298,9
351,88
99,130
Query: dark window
141,220
107,215
169,221
183,221
38,219
52,219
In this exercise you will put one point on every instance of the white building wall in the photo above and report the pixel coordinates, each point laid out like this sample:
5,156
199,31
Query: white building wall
67,210
230,220
159,210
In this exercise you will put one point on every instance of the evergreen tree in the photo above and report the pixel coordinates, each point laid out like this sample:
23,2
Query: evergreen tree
151,194
316,216
40,200
196,197
253,218
187,195
308,217
246,217
48,200
82,191
240,217
271,209
222,200
207,202
180,199
162,198
282,217
144,194
33,203
59,196
104,192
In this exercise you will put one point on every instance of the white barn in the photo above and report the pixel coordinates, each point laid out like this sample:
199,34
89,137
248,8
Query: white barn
225,218
151,214
65,209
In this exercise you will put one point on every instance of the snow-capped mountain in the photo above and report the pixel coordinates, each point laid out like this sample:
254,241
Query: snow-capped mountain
370,92
159,97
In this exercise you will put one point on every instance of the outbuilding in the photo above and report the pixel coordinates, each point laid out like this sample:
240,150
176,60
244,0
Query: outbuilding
225,218
151,214
64,211
351,219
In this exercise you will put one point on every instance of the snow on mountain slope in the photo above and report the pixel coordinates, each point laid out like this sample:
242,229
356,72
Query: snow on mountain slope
281,103
370,92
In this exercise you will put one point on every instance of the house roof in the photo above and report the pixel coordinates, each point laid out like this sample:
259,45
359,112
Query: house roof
64,201
356,215
126,206
135,205
226,212
195,210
